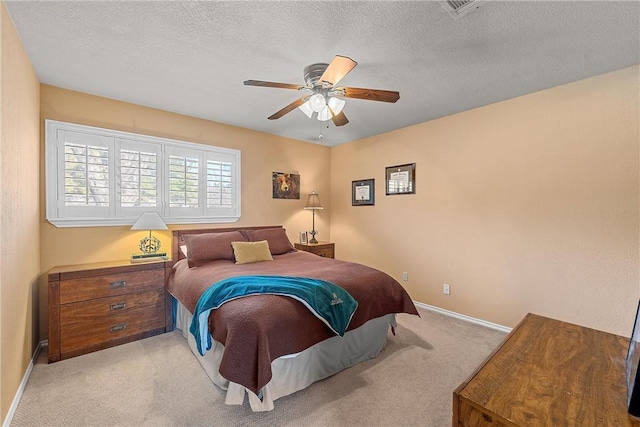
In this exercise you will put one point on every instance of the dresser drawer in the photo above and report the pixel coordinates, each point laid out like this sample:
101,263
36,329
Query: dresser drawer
88,323
324,252
86,288
322,249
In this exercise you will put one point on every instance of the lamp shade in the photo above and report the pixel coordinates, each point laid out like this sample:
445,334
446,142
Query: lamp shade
317,102
324,115
313,202
149,221
336,104
306,109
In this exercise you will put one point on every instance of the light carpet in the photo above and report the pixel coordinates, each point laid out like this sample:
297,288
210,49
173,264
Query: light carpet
157,382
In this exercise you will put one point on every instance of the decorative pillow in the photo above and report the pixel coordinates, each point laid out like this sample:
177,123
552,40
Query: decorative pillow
206,247
248,252
278,241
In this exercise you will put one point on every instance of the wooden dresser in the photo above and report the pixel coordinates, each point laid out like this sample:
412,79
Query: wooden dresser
548,373
324,249
100,305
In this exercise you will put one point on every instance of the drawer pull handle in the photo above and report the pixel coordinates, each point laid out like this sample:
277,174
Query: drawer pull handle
118,306
120,327
118,284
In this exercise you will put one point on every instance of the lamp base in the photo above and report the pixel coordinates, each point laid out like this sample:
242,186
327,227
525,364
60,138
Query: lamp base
151,255
148,258
313,237
149,245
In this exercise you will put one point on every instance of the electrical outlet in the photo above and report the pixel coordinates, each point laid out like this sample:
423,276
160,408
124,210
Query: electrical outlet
405,276
445,289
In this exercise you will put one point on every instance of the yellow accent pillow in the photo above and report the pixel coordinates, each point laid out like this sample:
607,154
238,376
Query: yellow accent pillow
248,252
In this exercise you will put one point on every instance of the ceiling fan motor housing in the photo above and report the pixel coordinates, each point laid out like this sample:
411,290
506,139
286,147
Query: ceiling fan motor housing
313,72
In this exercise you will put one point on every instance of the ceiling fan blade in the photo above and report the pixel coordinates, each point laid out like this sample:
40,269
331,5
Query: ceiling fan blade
295,104
339,119
273,84
370,94
339,67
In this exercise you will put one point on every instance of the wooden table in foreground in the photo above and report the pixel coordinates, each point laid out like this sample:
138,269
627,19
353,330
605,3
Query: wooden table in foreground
548,373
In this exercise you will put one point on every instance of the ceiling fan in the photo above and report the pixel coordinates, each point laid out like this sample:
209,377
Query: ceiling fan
326,99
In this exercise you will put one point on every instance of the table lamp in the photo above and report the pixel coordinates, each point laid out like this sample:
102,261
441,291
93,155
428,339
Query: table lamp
149,221
313,203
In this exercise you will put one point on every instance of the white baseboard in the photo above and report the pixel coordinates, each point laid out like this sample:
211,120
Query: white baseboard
23,384
463,317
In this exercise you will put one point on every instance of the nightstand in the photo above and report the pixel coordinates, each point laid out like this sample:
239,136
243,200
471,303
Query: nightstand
323,249
100,305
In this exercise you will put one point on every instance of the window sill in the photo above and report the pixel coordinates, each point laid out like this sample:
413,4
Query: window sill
113,222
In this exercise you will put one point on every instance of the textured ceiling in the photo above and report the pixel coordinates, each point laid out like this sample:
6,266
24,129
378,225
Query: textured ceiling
192,57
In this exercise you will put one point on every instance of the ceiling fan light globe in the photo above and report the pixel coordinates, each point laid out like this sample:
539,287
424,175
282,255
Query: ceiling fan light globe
336,104
317,102
325,114
306,109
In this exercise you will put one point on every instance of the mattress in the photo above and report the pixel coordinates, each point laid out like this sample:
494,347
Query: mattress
294,372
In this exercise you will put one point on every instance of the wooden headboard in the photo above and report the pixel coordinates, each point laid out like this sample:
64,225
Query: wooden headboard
176,237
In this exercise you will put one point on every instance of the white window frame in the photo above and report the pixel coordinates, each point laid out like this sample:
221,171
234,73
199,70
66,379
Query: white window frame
61,215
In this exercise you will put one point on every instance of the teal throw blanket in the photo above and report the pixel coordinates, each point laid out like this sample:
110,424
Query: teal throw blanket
327,301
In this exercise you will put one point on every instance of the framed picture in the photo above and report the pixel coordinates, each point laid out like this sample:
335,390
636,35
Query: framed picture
363,192
285,185
633,374
303,237
401,179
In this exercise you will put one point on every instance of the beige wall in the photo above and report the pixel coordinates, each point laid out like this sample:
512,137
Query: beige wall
531,204
262,154
19,222
528,205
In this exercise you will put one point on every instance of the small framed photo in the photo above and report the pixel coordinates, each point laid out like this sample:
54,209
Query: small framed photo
401,179
363,192
303,238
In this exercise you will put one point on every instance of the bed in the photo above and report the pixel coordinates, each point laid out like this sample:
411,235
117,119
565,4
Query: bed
266,346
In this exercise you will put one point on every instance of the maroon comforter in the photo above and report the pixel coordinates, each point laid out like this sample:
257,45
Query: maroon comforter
257,329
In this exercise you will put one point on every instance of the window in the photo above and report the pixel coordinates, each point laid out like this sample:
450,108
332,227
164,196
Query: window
104,177
86,175
139,174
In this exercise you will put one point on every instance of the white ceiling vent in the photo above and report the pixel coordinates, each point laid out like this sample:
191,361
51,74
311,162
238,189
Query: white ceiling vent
458,8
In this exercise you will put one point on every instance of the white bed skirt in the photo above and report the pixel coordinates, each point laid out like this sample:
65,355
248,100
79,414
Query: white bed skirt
294,372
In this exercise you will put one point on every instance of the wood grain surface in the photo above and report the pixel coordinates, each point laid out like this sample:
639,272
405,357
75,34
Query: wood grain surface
99,305
85,288
91,322
549,373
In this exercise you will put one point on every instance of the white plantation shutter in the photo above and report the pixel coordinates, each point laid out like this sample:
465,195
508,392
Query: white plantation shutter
185,198
139,178
104,177
86,175
86,169
139,175
221,176
184,179
219,181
